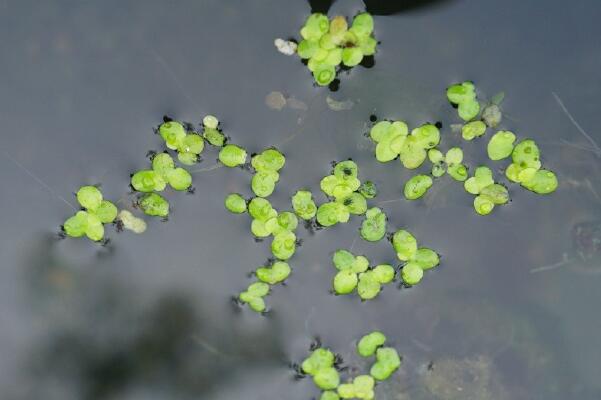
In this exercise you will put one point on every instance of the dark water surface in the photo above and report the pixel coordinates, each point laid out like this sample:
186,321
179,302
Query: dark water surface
150,316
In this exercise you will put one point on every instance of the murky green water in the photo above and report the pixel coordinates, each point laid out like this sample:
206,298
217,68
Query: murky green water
150,317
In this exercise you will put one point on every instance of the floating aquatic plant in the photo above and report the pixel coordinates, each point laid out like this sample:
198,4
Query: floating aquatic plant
253,296
387,361
369,343
235,203
189,145
154,204
303,204
320,365
354,273
417,186
488,193
450,163
163,172
394,140
91,221
327,44
473,130
373,227
232,156
500,145
526,169
463,95
343,186
276,273
211,132
417,259
266,165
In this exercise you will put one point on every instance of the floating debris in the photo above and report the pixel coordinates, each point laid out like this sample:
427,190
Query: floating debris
131,222
339,105
287,47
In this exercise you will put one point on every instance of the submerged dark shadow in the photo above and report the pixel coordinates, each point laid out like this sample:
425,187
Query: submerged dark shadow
380,7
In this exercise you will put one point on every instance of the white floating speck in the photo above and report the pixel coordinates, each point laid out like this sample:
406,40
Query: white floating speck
286,47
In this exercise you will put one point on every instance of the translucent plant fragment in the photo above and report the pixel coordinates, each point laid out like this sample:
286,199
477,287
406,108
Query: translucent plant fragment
387,361
373,227
500,145
235,203
131,222
369,343
417,186
210,121
232,155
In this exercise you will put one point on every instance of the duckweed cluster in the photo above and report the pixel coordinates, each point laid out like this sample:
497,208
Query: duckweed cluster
393,140
321,365
90,221
463,96
373,227
328,44
526,170
450,163
488,193
342,188
266,165
188,145
354,273
416,259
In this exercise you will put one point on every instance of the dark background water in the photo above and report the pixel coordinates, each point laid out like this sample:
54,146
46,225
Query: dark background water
150,316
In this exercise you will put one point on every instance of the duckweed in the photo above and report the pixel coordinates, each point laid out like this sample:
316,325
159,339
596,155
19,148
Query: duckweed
353,272
163,172
418,259
232,156
188,145
270,160
500,145
369,343
526,169
368,189
328,43
387,361
303,204
362,387
276,273
253,296
329,395
154,204
319,359
373,227
331,213
91,221
235,203
473,130
463,95
417,186
263,183
488,194
283,245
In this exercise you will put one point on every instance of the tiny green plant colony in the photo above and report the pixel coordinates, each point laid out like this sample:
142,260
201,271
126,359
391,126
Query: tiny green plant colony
90,221
354,273
416,259
323,366
327,43
393,140
347,196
